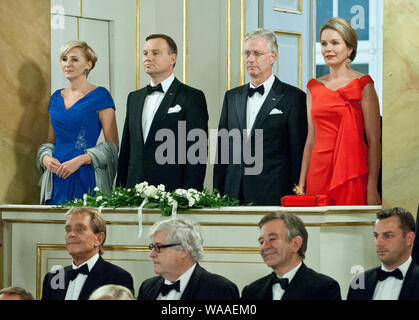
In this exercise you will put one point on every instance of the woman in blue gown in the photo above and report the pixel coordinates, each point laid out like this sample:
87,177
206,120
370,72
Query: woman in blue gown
77,116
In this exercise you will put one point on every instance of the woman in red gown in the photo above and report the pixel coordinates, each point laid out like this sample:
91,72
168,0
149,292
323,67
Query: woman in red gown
342,106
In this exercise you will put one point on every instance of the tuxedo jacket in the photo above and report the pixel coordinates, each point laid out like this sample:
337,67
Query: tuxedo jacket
409,291
102,273
284,137
307,284
137,159
202,285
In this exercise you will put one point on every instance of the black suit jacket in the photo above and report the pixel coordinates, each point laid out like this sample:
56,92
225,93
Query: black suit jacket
137,161
102,273
409,291
284,137
202,285
307,284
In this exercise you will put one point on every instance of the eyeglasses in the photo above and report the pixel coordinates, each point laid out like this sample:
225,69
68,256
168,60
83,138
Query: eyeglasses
257,54
158,247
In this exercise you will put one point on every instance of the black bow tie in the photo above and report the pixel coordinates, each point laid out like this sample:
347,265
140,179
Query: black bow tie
382,275
166,288
283,282
252,91
75,272
151,89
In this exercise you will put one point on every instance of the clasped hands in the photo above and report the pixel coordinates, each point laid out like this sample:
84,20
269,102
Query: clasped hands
62,170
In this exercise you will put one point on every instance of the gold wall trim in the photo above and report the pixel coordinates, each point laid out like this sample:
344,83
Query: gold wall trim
228,45
203,224
299,36
137,45
297,11
242,35
185,41
198,212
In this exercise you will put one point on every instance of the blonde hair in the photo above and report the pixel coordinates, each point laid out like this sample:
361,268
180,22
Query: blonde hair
111,292
88,52
97,221
347,32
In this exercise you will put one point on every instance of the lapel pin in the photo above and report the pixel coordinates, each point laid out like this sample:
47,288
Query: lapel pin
273,99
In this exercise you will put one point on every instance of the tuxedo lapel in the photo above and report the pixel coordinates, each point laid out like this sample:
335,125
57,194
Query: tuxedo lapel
138,113
297,285
161,112
272,99
193,283
410,282
241,108
93,280
370,284
155,290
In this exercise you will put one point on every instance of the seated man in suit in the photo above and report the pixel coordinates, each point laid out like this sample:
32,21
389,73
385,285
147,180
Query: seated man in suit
85,233
168,110
282,244
398,276
176,249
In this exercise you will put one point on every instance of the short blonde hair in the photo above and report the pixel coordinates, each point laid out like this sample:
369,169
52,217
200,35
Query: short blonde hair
97,221
111,292
347,32
88,52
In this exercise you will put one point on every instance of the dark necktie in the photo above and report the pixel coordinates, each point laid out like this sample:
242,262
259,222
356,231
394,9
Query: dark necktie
283,282
151,89
252,91
166,288
383,275
75,272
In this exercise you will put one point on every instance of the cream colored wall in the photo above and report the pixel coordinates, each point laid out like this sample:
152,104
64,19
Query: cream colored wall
401,105
24,95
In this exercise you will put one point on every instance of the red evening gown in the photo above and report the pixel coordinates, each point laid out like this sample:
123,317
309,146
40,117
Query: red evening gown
339,160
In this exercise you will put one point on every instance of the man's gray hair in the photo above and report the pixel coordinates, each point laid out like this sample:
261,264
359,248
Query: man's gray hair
271,41
184,232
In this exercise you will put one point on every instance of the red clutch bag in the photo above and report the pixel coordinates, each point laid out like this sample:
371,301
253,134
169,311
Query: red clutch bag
304,201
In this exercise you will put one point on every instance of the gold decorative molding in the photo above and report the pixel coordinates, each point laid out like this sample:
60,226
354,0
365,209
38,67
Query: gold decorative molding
137,45
242,35
185,41
202,224
228,45
299,37
299,10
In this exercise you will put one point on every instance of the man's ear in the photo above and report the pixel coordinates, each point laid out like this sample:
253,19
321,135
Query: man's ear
297,242
410,238
100,237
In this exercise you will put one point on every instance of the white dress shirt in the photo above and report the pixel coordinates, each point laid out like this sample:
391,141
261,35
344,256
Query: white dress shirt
390,288
75,286
255,102
184,279
277,291
152,103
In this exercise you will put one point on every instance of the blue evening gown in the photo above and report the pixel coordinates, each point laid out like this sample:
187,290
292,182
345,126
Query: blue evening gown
76,129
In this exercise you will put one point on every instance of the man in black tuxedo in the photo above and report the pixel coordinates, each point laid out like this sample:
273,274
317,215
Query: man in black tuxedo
176,249
398,276
159,120
262,164
85,233
283,243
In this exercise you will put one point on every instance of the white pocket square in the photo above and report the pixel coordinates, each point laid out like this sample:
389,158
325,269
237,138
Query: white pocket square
276,111
174,109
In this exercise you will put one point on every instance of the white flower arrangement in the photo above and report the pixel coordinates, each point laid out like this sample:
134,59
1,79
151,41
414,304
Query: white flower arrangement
157,197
